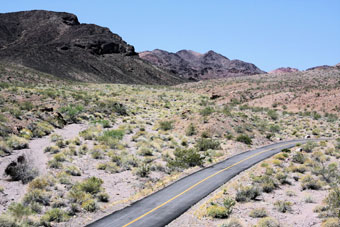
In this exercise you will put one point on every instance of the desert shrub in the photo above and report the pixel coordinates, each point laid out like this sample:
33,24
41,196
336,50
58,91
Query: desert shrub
333,201
258,213
55,137
52,149
103,197
298,168
54,164
283,206
204,144
143,170
331,222
26,133
282,178
143,151
273,114
309,199
73,170
267,222
191,130
309,146
207,111
21,170
116,107
109,167
37,196
41,129
71,112
4,149
274,128
308,182
111,137
247,193
233,222
26,105
60,144
166,125
91,133
186,158
299,158
17,143
7,220
217,211
90,185
38,183
89,205
19,211
60,157
56,215
244,139
267,183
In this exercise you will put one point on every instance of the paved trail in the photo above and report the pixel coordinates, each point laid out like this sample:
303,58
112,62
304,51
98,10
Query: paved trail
162,207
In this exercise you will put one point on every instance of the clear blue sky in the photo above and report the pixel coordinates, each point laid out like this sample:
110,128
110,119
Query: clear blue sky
268,33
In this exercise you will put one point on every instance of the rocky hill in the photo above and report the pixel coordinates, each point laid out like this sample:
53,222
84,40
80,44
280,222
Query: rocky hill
56,43
284,70
197,66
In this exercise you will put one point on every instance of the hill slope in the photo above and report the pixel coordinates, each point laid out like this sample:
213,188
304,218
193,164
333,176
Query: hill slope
58,44
196,66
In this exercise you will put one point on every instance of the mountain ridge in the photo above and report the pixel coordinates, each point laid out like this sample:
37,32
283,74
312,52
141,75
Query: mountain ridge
58,44
196,66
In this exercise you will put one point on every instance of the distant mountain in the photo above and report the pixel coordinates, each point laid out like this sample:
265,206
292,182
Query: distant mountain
56,43
320,67
284,70
195,66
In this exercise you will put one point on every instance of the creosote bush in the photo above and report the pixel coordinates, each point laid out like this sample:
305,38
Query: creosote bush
244,139
186,158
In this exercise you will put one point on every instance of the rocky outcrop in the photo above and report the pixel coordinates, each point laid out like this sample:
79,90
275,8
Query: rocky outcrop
283,70
195,66
57,43
321,67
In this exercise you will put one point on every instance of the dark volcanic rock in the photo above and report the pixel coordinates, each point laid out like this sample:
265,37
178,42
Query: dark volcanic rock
284,70
58,44
195,66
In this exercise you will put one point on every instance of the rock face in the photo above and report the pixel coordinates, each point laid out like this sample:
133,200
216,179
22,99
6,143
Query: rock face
58,44
195,66
284,70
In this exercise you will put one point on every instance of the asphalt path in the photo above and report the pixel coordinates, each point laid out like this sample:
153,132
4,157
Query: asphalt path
162,207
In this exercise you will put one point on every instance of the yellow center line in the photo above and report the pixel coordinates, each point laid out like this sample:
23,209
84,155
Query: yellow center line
200,182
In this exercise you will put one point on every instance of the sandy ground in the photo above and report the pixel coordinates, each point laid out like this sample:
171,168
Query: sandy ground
14,190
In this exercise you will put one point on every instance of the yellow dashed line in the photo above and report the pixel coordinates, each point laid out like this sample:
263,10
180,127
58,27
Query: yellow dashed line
200,182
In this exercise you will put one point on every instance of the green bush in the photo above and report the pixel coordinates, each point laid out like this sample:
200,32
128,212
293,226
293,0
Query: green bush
258,213
7,220
71,112
283,206
207,111
56,215
308,182
186,158
73,170
224,211
166,125
309,146
267,183
37,196
19,211
41,129
4,149
273,114
267,222
244,139
103,197
331,222
191,130
143,170
17,143
299,158
89,205
91,185
204,144
232,223
21,171
247,193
